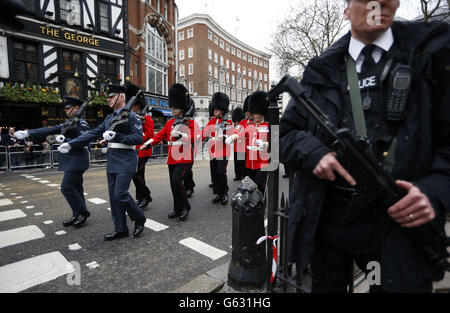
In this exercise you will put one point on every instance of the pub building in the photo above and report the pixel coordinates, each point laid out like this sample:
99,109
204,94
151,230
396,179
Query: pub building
70,47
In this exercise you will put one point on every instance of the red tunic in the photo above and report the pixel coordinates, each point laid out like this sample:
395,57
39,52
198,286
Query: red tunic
256,158
148,131
180,151
239,145
217,146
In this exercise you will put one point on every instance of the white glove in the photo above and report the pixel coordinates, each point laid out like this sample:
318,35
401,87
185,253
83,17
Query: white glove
109,135
21,134
261,144
64,148
60,139
177,134
230,139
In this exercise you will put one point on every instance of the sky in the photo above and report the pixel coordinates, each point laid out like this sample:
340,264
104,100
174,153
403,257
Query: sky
253,21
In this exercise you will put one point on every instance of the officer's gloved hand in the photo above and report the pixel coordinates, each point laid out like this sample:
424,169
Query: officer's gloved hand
109,135
64,148
60,138
21,134
230,139
147,145
261,144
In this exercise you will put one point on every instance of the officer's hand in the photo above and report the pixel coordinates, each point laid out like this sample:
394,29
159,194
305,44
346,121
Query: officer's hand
147,145
109,135
261,144
64,148
326,167
412,210
230,139
60,138
21,134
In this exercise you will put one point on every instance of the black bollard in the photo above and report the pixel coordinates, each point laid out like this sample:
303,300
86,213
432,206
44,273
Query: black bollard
247,268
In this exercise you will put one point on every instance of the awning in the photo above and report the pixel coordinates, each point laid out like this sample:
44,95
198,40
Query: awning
165,112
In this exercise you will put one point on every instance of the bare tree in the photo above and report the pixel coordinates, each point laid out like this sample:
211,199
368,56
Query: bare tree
432,8
307,32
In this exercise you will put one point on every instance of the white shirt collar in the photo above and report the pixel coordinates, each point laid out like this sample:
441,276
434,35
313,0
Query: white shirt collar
385,41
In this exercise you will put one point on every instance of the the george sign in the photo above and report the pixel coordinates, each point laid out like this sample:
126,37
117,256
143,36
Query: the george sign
69,36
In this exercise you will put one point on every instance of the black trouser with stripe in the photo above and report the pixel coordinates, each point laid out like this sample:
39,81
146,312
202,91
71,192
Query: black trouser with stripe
259,177
219,176
177,174
142,190
189,183
239,165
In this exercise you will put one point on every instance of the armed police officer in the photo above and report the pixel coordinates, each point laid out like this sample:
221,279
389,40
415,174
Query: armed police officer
388,82
121,160
74,164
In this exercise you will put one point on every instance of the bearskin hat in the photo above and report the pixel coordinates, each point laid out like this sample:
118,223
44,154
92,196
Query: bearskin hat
257,103
220,101
179,97
132,90
238,115
246,104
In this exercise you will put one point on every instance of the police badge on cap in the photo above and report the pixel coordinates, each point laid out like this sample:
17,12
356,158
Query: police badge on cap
71,102
112,89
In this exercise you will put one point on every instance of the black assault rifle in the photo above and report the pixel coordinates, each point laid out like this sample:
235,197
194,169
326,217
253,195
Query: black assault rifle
374,182
124,114
73,121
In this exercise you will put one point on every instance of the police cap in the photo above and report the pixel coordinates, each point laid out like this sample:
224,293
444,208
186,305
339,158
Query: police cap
112,89
71,102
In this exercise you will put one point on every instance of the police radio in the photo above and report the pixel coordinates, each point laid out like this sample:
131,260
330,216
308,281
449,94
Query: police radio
398,93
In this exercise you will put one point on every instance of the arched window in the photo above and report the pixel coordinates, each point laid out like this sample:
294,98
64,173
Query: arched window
156,61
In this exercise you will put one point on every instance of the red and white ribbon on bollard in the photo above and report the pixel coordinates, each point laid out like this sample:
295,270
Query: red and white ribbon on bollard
275,254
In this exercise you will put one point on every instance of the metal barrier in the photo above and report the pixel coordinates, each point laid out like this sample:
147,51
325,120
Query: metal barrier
97,154
4,159
29,156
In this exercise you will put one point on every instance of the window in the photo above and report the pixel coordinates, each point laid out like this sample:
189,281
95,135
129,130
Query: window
233,79
181,54
239,83
255,74
228,78
107,67
216,88
239,96
210,88
190,33
104,16
156,61
158,6
260,63
233,51
165,9
249,84
216,73
238,68
70,11
210,54
191,69
210,70
216,57
191,88
265,88
25,61
221,43
227,47
233,66
136,69
238,54
244,57
216,40
181,70
227,64
244,83
209,35
233,95
250,59
255,61
190,52
249,73
180,36
244,71
266,65
265,77
221,60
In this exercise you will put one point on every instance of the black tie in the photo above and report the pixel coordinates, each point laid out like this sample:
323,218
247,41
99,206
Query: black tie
368,62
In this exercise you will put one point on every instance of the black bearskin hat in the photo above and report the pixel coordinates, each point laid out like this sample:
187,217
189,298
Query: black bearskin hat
179,97
220,101
238,115
257,103
246,104
132,90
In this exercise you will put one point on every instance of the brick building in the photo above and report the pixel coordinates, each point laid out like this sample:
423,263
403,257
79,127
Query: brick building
212,60
151,47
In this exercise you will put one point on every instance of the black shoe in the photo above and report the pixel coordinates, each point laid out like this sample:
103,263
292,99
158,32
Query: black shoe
236,178
173,214
138,229
145,202
80,220
115,235
210,185
184,214
217,199
189,193
224,200
139,201
70,221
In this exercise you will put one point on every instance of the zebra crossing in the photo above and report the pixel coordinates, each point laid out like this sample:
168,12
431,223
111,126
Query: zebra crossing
29,272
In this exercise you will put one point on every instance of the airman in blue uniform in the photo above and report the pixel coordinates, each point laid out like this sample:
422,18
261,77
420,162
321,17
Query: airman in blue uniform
74,164
121,162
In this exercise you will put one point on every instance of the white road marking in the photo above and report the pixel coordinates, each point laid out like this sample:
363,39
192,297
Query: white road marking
19,235
97,201
48,222
36,178
38,214
53,185
24,201
154,225
19,197
60,232
13,194
29,207
92,264
11,214
203,248
2,194
16,277
4,202
74,247
43,181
